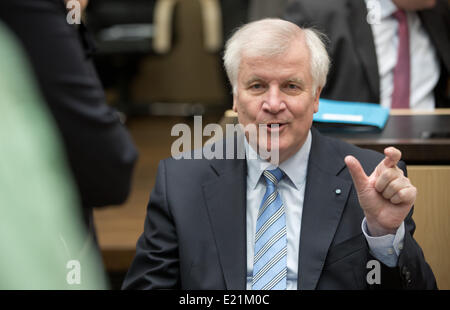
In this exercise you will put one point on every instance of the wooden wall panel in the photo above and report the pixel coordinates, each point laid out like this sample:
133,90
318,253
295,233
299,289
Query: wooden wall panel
432,217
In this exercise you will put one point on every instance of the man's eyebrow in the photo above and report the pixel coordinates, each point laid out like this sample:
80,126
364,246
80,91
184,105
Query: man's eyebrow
289,80
296,80
253,79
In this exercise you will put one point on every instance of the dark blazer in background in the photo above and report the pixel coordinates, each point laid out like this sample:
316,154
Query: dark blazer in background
99,149
354,71
195,229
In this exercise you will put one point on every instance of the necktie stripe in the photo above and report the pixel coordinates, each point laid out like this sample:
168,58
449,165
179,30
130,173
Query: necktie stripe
271,242
271,177
270,264
278,278
269,223
269,200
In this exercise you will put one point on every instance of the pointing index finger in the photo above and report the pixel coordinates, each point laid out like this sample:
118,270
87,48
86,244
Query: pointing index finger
393,156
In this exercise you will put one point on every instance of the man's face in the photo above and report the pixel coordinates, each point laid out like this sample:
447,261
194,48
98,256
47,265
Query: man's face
278,90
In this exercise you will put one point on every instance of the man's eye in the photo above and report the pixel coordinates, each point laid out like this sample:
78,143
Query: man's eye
256,86
292,88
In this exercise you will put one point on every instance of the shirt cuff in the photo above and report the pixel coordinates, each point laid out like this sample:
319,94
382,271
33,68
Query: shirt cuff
385,248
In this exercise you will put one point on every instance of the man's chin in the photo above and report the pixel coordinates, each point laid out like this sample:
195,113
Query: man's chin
269,151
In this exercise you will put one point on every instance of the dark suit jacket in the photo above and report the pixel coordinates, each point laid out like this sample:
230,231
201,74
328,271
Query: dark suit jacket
99,149
195,228
354,71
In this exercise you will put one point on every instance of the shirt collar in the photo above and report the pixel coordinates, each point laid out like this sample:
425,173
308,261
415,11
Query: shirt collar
294,167
387,7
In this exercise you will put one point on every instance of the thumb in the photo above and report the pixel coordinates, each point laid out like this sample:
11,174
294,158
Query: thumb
360,179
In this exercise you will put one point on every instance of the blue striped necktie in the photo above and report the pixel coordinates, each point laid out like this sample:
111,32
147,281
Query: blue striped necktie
269,264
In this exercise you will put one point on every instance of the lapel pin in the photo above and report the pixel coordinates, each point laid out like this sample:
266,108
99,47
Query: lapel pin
338,191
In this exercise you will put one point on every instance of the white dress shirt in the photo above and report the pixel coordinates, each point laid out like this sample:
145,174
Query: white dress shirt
425,69
292,191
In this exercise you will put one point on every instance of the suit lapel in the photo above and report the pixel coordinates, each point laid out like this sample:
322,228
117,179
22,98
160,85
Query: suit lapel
225,197
364,45
322,209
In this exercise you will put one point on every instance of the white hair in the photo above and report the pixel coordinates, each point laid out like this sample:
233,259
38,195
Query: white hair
272,37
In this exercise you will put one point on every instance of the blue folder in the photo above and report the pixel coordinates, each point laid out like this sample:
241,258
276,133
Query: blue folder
351,113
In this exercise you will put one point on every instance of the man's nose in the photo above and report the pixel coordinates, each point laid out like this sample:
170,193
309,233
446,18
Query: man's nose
273,102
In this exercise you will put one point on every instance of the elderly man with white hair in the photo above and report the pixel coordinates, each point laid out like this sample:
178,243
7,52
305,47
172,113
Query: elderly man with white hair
315,218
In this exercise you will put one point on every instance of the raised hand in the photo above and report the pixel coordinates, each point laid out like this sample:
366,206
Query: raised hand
386,196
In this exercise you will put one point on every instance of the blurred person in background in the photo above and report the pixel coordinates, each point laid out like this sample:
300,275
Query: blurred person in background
99,149
394,52
43,242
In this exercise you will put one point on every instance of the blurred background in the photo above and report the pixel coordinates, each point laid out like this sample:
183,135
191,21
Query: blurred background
159,63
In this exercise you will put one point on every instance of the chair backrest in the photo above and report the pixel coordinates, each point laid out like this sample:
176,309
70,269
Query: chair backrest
121,26
105,13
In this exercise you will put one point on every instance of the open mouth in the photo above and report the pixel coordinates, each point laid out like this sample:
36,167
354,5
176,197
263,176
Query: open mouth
276,126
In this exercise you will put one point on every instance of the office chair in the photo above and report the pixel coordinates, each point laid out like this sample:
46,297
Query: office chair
124,32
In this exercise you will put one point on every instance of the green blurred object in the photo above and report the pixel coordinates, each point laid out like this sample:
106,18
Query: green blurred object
43,242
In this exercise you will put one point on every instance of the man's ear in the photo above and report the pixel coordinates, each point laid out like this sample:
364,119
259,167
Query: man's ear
316,99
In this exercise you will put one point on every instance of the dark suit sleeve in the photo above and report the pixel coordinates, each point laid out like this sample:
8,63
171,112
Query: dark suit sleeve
100,152
412,271
156,264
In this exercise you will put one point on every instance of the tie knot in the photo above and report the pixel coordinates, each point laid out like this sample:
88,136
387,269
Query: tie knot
273,176
400,15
